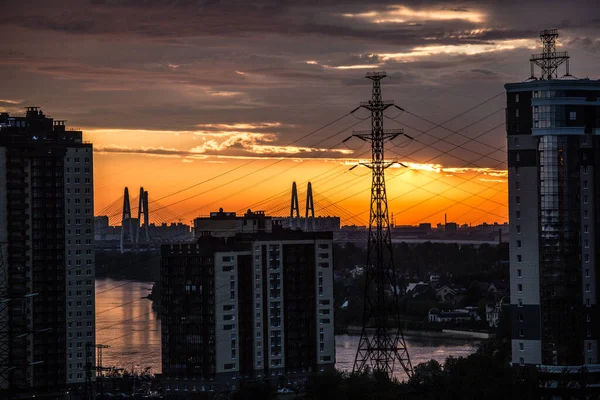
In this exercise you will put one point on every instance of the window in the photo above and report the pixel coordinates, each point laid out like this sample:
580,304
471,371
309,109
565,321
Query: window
585,213
519,244
520,317
518,214
587,273
587,303
585,199
585,229
520,287
516,113
588,318
518,199
519,273
587,258
587,287
517,185
586,243
517,98
589,333
521,346
572,116
521,332
585,184
521,361
584,169
519,258
520,302
518,229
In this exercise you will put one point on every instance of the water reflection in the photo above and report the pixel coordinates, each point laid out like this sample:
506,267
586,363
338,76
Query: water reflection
126,321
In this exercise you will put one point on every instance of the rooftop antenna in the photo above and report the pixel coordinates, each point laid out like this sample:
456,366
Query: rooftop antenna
549,60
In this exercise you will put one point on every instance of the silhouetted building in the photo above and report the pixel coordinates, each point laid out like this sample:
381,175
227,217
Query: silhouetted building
46,233
246,306
553,127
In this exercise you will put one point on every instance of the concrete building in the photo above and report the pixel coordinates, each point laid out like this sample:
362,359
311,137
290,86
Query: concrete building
46,221
247,306
553,126
310,224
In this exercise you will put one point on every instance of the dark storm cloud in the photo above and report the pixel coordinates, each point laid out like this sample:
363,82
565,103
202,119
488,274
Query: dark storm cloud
177,64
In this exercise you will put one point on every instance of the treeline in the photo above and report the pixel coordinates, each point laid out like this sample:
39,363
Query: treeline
464,262
141,266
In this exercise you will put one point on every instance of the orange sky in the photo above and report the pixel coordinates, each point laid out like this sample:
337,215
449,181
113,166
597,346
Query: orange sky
421,193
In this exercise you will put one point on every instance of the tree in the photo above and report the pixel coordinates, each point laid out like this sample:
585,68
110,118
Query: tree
255,390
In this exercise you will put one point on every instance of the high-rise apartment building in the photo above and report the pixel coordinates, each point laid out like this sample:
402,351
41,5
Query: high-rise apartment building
245,306
553,127
46,234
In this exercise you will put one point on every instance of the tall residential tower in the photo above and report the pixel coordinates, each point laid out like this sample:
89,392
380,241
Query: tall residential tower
47,263
248,301
553,127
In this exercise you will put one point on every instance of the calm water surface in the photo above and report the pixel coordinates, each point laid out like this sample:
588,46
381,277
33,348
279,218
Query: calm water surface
127,323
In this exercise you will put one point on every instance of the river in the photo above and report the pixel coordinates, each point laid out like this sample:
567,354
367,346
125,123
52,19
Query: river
127,323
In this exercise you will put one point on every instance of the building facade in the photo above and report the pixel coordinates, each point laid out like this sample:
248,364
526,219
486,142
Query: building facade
553,128
253,306
46,234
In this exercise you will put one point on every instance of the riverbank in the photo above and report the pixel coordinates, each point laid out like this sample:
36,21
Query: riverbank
435,334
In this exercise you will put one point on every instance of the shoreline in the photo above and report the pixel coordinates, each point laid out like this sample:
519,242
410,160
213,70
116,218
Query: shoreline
453,334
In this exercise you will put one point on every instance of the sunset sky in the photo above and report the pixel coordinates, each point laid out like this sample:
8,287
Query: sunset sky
210,104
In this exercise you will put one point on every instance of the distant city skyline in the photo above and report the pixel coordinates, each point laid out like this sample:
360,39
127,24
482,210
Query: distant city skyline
171,97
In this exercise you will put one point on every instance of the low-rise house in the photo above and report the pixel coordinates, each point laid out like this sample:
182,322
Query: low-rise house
499,287
450,294
420,291
456,316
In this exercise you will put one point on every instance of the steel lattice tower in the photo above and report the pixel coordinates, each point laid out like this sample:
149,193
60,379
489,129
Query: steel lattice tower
549,60
381,342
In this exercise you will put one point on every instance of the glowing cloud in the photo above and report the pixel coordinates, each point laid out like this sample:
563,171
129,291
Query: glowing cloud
357,66
242,125
402,14
464,49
